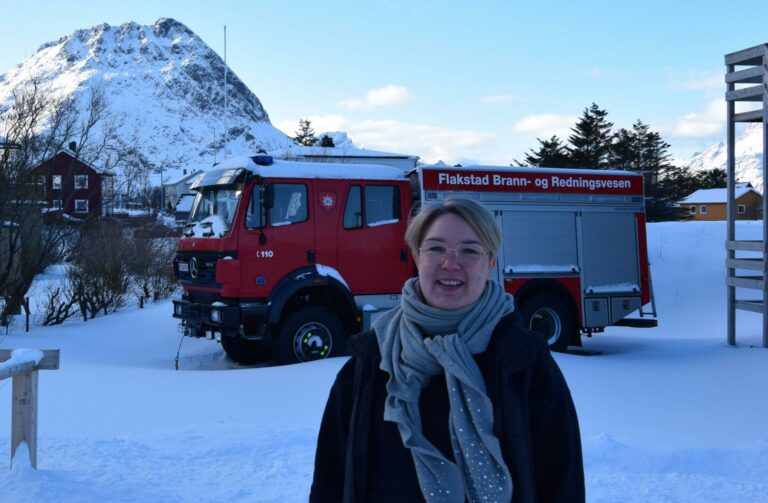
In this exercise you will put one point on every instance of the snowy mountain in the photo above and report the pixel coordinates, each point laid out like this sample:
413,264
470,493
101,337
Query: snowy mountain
165,90
749,157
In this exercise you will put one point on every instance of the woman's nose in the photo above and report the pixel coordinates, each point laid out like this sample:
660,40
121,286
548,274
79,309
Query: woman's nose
451,262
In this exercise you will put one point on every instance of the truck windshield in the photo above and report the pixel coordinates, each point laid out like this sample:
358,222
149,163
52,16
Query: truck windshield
212,212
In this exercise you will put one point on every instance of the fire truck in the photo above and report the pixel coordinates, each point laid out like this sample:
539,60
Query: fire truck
292,257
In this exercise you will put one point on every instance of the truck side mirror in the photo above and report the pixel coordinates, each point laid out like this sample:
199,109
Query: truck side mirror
268,196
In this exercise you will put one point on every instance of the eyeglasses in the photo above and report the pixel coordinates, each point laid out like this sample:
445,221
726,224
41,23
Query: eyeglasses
468,254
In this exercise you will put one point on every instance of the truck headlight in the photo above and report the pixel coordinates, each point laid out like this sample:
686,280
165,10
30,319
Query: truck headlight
216,315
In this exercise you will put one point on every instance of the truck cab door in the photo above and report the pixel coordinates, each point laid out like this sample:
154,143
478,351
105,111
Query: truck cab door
280,241
373,256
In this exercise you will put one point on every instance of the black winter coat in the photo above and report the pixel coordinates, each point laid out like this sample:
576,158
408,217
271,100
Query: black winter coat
361,458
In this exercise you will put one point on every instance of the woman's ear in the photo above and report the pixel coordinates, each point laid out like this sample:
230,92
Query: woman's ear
492,264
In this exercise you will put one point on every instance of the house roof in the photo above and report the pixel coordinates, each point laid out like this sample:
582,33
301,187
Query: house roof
69,154
349,152
178,176
718,195
185,203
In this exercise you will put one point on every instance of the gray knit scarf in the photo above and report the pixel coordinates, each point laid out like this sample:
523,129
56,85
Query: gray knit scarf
417,342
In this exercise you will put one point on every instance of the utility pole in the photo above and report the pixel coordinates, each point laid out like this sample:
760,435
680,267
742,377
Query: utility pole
226,109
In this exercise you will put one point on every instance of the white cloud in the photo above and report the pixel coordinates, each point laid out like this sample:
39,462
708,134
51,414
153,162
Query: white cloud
697,81
598,72
710,122
431,143
545,125
500,98
386,96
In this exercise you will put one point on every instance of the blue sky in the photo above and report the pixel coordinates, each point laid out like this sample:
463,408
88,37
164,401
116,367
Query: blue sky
451,80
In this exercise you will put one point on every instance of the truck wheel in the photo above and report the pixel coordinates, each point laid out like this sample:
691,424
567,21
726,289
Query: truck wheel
243,351
311,333
548,315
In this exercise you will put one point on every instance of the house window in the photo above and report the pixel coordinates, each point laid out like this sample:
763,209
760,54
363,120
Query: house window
703,210
42,180
81,206
56,181
56,204
741,209
693,210
81,181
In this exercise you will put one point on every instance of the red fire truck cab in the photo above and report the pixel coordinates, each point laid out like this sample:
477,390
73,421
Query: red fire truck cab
293,256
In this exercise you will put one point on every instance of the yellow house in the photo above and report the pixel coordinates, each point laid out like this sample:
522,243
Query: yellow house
711,204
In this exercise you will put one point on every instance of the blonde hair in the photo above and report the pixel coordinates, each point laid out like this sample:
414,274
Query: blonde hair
475,214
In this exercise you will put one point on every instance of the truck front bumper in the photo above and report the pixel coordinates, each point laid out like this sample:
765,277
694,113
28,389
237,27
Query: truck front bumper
213,320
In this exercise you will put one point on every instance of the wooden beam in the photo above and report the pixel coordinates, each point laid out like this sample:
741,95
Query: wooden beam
751,116
752,56
752,93
50,359
752,75
744,245
755,306
754,282
754,264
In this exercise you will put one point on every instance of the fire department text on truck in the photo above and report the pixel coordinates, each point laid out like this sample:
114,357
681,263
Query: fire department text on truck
555,181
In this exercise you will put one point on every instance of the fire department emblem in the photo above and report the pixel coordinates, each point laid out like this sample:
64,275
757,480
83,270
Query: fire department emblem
328,200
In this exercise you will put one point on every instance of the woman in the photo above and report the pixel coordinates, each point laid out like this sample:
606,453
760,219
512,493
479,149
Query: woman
448,398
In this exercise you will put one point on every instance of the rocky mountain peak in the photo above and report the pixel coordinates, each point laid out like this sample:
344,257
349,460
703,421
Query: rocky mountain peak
749,157
164,85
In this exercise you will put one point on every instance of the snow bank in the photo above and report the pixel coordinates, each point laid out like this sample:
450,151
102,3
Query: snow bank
670,414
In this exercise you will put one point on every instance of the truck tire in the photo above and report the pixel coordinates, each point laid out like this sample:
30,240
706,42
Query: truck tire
243,351
311,333
547,314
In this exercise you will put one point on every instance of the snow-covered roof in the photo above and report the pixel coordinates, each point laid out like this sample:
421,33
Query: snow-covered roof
293,169
717,195
78,159
185,203
178,175
349,152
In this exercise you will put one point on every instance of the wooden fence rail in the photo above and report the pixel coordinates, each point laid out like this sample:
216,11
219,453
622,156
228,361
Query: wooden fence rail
22,366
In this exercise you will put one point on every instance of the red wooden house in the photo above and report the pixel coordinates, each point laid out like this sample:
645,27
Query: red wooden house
70,186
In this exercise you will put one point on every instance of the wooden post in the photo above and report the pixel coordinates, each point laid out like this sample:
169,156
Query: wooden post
24,414
27,312
24,400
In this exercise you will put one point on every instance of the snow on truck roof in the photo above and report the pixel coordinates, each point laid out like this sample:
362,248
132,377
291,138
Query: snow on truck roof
294,169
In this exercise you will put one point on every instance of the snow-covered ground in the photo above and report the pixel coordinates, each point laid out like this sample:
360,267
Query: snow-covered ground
669,414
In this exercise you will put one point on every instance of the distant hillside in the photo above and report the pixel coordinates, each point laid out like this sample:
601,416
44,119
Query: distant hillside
749,157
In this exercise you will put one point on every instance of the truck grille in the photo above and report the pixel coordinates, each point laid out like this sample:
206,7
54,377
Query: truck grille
199,268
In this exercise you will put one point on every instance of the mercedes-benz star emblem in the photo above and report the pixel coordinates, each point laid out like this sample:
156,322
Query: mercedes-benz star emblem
193,268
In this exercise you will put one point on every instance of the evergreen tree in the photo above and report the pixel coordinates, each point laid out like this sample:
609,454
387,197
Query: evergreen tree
590,143
305,135
661,177
711,179
551,153
624,153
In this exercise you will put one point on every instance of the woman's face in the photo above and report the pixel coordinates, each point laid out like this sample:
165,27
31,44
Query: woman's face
456,278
